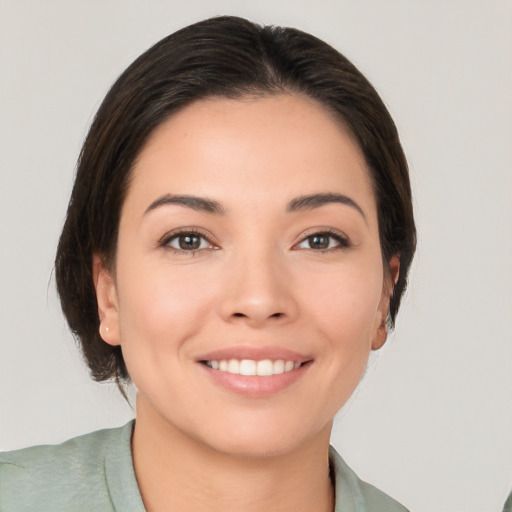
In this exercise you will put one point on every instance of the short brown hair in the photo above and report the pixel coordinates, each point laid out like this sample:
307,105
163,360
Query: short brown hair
228,57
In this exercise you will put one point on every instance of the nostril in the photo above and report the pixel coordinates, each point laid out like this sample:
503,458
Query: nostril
243,315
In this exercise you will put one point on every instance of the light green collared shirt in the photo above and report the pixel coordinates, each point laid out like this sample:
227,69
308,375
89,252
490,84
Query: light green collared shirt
94,473
508,504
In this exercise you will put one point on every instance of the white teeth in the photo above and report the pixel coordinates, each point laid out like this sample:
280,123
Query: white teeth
279,366
247,367
234,366
263,368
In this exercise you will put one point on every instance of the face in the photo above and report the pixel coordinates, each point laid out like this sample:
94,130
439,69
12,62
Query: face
248,287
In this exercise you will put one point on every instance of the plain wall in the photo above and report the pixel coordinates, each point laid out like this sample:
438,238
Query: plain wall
432,423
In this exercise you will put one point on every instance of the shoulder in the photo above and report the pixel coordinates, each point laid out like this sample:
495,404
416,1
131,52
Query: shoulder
355,495
68,476
508,504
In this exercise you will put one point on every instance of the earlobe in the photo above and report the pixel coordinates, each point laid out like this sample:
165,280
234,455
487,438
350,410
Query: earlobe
381,335
381,332
106,296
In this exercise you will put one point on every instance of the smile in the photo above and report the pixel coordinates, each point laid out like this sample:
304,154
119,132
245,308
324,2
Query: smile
254,371
251,367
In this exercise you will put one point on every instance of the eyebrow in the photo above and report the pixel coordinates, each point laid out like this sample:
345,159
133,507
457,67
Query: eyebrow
307,202
317,200
195,203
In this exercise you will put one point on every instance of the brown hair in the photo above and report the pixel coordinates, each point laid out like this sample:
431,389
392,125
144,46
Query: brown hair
228,57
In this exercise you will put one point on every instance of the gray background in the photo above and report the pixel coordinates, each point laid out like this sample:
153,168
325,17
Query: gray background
432,423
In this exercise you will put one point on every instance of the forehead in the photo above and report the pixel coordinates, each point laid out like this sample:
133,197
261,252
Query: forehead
266,146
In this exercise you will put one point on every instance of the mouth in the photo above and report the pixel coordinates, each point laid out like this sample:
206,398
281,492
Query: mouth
255,372
252,367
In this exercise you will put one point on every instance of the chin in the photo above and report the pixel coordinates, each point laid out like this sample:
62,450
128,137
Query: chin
256,448
258,441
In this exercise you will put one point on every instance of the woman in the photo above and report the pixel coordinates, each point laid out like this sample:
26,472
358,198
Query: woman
237,242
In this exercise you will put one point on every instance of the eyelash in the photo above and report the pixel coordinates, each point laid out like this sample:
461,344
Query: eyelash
342,242
167,239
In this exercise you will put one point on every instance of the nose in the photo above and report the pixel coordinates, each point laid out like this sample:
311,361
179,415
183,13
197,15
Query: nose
258,291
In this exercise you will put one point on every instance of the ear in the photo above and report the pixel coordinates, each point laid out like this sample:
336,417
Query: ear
390,280
106,296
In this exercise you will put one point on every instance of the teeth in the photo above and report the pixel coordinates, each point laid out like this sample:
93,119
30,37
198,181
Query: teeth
233,366
279,366
247,367
265,367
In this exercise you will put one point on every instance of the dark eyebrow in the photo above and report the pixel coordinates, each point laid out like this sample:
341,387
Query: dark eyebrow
317,200
196,203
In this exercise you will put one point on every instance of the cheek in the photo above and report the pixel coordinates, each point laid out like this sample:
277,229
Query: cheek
344,311
344,302
160,308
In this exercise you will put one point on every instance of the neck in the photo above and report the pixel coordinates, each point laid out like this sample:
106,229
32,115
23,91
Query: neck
177,473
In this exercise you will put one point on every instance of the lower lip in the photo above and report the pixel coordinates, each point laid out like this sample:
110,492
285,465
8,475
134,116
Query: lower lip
254,386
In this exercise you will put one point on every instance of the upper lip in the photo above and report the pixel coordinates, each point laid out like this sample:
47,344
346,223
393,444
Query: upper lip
254,353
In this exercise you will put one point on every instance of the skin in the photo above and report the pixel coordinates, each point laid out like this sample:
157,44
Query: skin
256,280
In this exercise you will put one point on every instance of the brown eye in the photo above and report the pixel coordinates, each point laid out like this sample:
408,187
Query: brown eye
188,242
324,241
319,241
